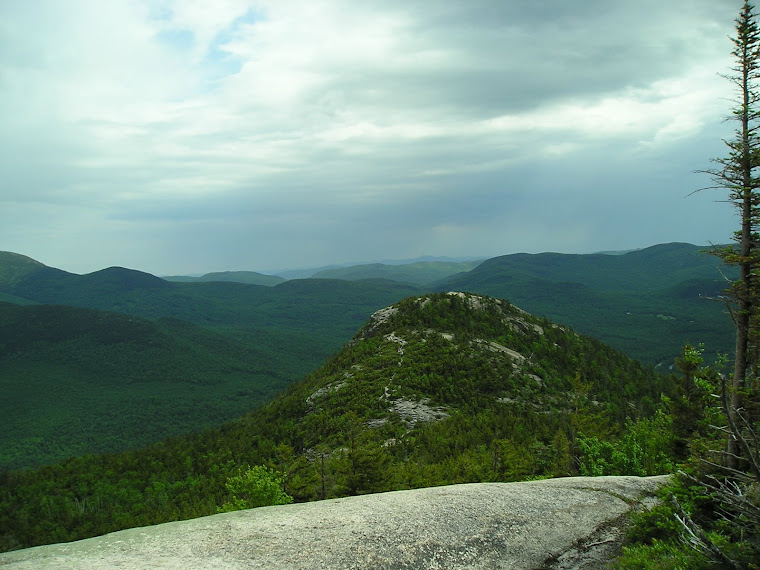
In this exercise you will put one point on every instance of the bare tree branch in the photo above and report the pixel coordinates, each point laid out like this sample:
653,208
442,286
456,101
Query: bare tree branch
697,538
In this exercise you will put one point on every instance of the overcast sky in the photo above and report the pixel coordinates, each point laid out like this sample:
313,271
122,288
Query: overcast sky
193,136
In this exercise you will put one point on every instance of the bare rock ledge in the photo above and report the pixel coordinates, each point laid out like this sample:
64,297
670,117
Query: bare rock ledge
549,524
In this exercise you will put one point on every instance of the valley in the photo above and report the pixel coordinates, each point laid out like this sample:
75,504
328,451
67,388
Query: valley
135,400
199,353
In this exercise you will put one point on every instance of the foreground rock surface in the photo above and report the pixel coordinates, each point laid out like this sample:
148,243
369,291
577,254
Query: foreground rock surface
551,524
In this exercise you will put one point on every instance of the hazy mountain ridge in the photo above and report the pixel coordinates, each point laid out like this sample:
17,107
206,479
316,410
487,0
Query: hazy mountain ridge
419,273
652,268
250,277
438,389
304,273
211,303
617,298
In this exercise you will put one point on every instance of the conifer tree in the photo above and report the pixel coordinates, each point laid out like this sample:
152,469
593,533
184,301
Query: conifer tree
737,173
732,485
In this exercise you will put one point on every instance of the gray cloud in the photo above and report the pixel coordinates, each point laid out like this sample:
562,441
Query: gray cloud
281,134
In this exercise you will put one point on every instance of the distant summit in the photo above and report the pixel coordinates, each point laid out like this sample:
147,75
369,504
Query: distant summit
16,268
250,277
420,272
121,279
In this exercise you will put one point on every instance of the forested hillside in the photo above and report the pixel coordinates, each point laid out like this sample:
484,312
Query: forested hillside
647,303
155,358
76,381
444,388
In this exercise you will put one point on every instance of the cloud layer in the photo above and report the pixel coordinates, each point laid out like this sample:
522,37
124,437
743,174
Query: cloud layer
193,136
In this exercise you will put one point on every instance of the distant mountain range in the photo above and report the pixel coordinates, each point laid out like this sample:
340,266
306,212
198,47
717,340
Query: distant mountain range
647,303
420,273
250,277
653,268
305,273
309,306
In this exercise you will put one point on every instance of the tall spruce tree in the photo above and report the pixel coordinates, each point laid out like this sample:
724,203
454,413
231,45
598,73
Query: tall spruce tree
730,487
737,173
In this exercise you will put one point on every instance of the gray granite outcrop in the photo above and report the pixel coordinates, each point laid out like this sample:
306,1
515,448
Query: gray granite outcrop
551,524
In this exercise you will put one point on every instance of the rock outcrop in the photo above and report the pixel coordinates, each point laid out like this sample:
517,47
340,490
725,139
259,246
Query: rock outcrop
550,524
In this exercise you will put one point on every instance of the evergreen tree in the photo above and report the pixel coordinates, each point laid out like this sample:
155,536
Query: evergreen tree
737,173
730,486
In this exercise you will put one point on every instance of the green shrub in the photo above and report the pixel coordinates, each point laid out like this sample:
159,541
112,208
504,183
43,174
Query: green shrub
258,486
644,449
660,555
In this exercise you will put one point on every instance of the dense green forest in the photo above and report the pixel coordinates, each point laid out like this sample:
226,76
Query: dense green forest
647,303
205,352
155,358
439,389
76,381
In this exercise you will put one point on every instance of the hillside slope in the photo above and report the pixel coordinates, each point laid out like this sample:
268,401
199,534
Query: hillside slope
647,303
438,389
17,269
652,268
76,381
62,393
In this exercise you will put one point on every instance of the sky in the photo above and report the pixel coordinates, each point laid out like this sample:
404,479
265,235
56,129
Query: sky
184,136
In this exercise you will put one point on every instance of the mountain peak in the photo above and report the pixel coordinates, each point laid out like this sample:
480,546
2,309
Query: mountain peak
422,365
474,307
14,267
11,257
124,279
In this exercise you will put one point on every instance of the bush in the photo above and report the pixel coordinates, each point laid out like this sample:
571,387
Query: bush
660,555
255,487
645,449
